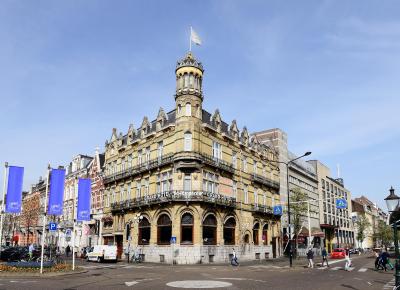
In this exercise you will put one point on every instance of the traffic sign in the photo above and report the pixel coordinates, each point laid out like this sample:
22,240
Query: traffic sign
278,210
173,240
68,232
341,203
52,226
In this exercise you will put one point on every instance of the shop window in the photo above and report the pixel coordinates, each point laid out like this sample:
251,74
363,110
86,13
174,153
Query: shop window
210,230
144,232
164,230
256,229
229,231
187,229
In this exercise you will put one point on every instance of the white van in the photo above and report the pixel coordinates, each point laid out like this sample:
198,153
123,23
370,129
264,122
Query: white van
102,253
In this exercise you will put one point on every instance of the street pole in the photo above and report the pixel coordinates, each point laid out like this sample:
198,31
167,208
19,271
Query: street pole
44,219
288,205
2,204
309,224
396,246
73,227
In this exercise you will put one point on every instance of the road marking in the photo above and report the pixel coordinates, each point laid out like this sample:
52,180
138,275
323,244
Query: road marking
363,270
336,268
129,284
196,284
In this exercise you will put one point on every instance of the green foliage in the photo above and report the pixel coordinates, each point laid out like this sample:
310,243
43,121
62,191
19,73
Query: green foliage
383,234
298,210
362,225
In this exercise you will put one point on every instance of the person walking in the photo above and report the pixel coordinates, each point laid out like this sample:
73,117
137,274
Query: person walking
324,254
31,248
234,260
348,261
67,250
385,258
310,257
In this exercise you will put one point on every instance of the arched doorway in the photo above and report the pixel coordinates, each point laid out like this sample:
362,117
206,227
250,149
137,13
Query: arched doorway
229,231
187,229
210,230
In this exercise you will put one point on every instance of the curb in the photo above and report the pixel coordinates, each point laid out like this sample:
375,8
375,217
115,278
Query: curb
38,275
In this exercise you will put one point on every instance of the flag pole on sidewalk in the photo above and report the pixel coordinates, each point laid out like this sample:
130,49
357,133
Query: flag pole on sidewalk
2,203
44,218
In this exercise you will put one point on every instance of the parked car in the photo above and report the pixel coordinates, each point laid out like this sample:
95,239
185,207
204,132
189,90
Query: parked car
338,253
102,253
354,251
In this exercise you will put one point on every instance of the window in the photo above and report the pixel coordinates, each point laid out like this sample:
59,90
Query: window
264,172
244,164
121,193
188,110
188,142
246,194
229,231
255,197
187,229
179,109
210,182
264,199
144,232
164,181
265,234
255,167
160,150
123,164
148,154
130,158
164,230
256,229
234,189
146,187
187,183
138,189
140,157
129,191
113,196
128,231
234,160
210,230
217,152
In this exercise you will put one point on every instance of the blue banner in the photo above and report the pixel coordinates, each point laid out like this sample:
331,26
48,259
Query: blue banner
14,189
84,186
56,192
341,203
278,210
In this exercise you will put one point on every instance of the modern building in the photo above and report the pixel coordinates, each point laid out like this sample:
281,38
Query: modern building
303,176
335,223
187,187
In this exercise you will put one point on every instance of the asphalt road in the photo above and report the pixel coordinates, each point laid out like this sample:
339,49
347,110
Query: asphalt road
253,276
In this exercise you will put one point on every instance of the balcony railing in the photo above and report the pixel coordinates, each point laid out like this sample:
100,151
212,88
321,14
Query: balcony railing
145,166
261,208
216,162
181,196
265,181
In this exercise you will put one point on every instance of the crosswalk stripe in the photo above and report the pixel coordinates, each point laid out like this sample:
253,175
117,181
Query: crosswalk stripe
363,270
336,268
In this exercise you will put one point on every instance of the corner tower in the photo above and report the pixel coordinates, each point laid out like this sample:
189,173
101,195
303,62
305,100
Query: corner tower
189,93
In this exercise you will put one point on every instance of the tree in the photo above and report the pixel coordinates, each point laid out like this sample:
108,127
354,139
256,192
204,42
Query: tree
298,210
383,234
362,224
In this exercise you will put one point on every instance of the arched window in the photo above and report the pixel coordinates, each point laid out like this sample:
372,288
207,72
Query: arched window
128,231
256,229
187,229
179,109
186,78
144,232
265,234
246,238
188,110
188,141
164,230
229,231
210,230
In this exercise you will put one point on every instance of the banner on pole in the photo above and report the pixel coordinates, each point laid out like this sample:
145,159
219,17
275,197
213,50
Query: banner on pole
14,189
56,192
83,212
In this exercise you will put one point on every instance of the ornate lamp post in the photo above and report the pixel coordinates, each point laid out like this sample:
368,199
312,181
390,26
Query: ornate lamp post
392,202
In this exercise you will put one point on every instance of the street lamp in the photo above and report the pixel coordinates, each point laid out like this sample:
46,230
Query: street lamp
288,201
392,202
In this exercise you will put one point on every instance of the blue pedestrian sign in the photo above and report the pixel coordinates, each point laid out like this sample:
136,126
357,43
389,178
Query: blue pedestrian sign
173,240
341,203
278,210
68,232
52,227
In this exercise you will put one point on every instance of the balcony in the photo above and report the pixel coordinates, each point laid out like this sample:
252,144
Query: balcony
218,163
265,181
261,208
176,196
135,170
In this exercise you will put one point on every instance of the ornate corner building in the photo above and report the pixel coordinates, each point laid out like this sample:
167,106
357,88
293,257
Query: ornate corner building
187,187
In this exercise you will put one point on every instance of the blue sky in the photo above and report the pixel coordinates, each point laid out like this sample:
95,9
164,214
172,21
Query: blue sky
326,72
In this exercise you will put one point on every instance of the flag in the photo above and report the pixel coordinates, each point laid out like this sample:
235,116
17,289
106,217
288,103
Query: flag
14,189
56,192
83,213
195,37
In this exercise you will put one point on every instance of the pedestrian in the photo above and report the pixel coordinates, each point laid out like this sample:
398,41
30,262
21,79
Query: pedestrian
377,258
67,250
30,250
310,257
234,260
324,254
384,260
348,261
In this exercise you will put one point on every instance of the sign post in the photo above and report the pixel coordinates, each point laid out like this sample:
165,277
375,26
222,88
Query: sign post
173,242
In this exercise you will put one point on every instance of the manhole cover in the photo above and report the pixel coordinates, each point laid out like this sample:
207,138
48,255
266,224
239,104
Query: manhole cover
196,284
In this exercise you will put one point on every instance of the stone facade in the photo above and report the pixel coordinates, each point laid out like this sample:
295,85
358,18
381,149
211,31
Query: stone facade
191,179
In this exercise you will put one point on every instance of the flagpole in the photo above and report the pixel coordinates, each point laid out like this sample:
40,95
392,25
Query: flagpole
190,40
2,203
73,227
44,218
